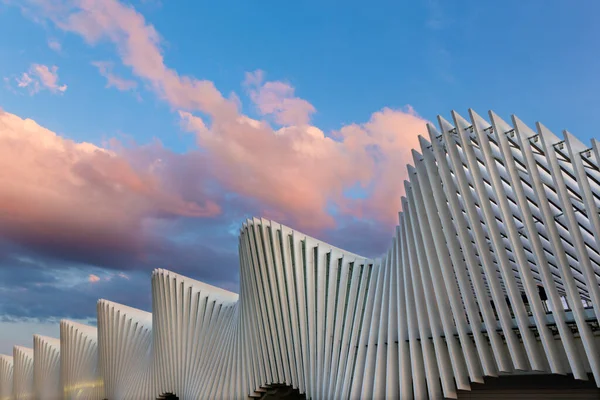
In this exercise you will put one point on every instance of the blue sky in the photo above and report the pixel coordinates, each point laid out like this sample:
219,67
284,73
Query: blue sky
536,58
330,64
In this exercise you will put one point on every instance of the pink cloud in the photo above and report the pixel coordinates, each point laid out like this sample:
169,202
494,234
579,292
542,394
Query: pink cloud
54,191
138,46
93,278
277,99
48,77
25,80
112,80
296,171
41,76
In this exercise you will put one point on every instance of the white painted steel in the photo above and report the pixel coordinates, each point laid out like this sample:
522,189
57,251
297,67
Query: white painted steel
23,373
79,372
46,368
124,351
6,377
493,213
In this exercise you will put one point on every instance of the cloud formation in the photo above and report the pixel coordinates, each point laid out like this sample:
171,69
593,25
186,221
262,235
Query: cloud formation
112,80
137,44
55,193
33,288
141,207
54,45
40,77
277,99
78,221
297,171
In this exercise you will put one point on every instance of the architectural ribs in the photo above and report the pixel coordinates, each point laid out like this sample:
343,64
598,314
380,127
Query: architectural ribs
493,270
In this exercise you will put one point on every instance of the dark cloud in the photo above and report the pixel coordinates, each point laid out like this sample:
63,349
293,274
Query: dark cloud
50,294
36,283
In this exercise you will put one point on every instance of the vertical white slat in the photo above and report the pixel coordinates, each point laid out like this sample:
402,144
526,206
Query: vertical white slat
404,351
379,363
266,303
340,282
416,354
330,315
265,323
299,260
375,362
321,279
273,300
311,288
360,337
250,331
259,351
357,273
363,369
392,383
283,302
292,271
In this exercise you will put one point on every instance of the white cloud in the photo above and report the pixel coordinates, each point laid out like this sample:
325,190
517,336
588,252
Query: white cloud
40,77
54,45
112,80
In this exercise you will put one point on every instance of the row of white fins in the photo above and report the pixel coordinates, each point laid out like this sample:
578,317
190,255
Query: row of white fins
116,359
492,213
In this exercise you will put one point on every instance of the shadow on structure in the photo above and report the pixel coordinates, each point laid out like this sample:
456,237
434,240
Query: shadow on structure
167,396
532,387
277,392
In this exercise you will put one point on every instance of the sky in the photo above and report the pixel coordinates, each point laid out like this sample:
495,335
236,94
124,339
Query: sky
141,135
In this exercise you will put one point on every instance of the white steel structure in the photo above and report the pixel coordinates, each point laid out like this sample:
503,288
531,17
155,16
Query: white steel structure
46,368
79,370
493,271
125,351
6,377
23,373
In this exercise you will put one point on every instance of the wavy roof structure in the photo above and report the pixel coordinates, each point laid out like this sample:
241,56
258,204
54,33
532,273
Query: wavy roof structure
494,270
